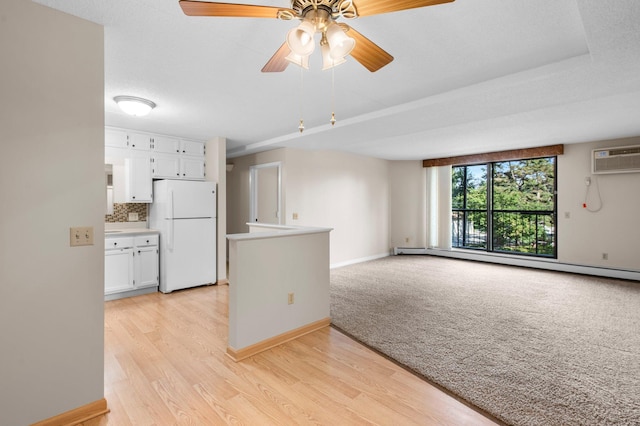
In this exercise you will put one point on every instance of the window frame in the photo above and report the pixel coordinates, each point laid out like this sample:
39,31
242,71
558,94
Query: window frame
490,211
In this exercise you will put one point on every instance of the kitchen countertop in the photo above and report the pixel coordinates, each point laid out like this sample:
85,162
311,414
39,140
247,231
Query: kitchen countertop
121,232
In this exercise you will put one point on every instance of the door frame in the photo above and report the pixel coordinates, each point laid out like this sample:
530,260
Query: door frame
255,188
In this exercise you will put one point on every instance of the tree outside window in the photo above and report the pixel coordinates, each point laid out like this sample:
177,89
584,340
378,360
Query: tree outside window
507,206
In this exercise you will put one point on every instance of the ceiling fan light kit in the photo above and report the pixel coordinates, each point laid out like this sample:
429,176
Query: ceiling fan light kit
301,39
316,16
301,61
328,61
337,41
340,44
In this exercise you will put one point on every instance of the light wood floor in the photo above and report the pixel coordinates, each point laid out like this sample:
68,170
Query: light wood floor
165,364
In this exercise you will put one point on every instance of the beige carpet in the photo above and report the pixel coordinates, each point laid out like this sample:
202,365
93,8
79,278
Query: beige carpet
530,347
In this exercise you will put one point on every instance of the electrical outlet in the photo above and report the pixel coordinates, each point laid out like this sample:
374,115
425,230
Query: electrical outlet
134,217
567,215
81,236
406,240
605,256
295,216
290,299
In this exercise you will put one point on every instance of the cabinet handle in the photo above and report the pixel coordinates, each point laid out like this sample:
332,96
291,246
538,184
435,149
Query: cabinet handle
177,150
115,244
138,251
147,241
133,198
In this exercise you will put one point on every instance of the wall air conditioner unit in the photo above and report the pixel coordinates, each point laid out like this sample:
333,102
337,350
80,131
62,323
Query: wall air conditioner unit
624,159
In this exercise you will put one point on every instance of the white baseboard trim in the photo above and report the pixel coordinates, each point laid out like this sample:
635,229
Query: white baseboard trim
360,260
551,265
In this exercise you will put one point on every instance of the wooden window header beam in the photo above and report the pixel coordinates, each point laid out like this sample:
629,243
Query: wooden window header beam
514,154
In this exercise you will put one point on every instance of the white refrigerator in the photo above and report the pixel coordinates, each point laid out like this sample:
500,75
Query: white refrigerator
185,214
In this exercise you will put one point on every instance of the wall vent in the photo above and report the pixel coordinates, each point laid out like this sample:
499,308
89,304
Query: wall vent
623,159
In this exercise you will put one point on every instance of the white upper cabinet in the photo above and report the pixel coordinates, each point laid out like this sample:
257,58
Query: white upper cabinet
166,145
115,138
166,158
177,159
177,167
192,168
191,148
165,166
140,141
138,179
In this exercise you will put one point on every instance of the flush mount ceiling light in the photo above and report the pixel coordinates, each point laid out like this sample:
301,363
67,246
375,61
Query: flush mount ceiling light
134,106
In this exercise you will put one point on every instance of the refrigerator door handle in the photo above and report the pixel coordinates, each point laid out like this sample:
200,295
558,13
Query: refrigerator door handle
170,204
170,235
169,216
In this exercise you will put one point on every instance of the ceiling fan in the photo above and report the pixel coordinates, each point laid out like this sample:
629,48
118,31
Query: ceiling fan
338,40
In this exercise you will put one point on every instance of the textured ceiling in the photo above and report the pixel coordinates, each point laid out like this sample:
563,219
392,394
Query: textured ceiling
468,76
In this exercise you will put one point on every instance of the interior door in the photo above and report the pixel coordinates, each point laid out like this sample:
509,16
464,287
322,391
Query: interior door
266,193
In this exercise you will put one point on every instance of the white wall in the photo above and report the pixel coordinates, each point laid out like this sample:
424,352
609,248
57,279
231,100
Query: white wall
52,178
614,229
407,189
374,205
238,206
264,268
346,192
216,171
584,236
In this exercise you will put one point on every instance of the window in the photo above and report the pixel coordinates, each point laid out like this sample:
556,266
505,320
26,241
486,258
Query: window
506,207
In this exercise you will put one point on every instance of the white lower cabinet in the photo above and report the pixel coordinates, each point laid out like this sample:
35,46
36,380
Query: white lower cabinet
146,261
130,264
118,270
118,264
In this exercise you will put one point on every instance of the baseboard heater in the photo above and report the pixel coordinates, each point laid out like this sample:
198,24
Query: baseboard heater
409,250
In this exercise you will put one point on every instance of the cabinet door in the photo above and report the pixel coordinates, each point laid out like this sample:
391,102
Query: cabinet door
166,166
138,179
115,138
188,147
118,270
140,141
146,266
166,145
192,168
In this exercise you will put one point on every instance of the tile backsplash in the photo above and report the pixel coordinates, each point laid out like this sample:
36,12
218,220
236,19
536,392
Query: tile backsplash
121,212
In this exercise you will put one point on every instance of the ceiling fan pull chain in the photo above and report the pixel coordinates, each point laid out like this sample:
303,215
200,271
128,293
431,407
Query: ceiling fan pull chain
301,126
333,97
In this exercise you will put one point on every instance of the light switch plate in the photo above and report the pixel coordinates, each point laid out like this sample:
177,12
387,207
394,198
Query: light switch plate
81,236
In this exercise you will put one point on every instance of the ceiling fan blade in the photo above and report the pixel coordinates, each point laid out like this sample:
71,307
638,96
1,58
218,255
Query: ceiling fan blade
375,7
202,8
278,63
369,54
